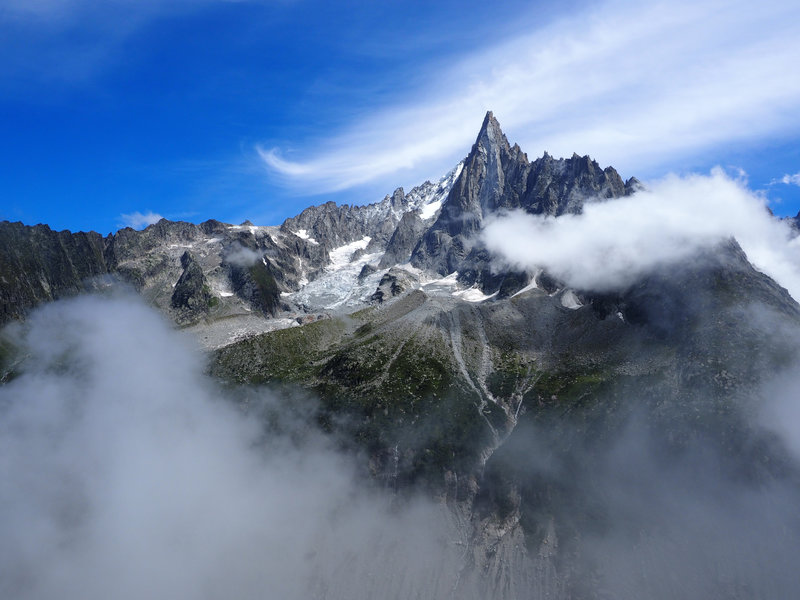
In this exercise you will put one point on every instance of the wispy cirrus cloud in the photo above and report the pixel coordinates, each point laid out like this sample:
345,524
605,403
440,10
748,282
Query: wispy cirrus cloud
139,220
789,179
632,84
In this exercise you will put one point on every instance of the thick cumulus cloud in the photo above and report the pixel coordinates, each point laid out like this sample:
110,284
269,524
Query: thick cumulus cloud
127,474
615,242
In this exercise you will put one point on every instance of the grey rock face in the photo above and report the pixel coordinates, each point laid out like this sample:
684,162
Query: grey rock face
179,267
403,241
331,225
366,271
498,176
191,296
256,284
38,265
129,244
393,283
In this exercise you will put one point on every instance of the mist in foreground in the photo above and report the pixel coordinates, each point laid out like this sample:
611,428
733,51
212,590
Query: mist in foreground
129,473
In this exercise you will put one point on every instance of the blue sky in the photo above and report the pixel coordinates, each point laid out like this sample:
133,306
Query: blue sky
117,111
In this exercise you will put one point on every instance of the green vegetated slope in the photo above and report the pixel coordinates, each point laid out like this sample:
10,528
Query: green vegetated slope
387,373
562,435
445,384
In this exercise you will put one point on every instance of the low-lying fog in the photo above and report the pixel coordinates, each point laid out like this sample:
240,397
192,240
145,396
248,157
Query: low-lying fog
128,473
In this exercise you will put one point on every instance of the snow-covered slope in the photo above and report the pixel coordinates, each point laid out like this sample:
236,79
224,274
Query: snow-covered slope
338,285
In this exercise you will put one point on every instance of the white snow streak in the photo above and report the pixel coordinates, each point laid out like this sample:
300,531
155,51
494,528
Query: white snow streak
429,210
570,300
341,256
473,295
303,234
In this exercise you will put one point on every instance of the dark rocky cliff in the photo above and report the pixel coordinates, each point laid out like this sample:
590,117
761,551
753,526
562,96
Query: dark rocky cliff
38,265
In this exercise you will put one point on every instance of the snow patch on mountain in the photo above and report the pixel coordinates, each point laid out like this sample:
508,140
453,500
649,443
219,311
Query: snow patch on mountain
303,234
254,229
338,286
442,285
445,286
473,295
570,300
429,210
341,256
531,286
428,197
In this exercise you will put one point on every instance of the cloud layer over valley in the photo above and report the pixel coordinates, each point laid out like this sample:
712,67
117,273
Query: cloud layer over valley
128,474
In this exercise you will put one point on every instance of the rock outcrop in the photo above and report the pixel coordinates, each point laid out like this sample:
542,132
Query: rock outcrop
192,295
38,265
498,177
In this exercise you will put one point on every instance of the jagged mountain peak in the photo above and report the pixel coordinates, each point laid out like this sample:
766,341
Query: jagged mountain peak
497,176
491,136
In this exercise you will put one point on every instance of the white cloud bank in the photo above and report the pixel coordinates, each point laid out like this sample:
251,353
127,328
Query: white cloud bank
127,474
138,220
615,242
634,84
